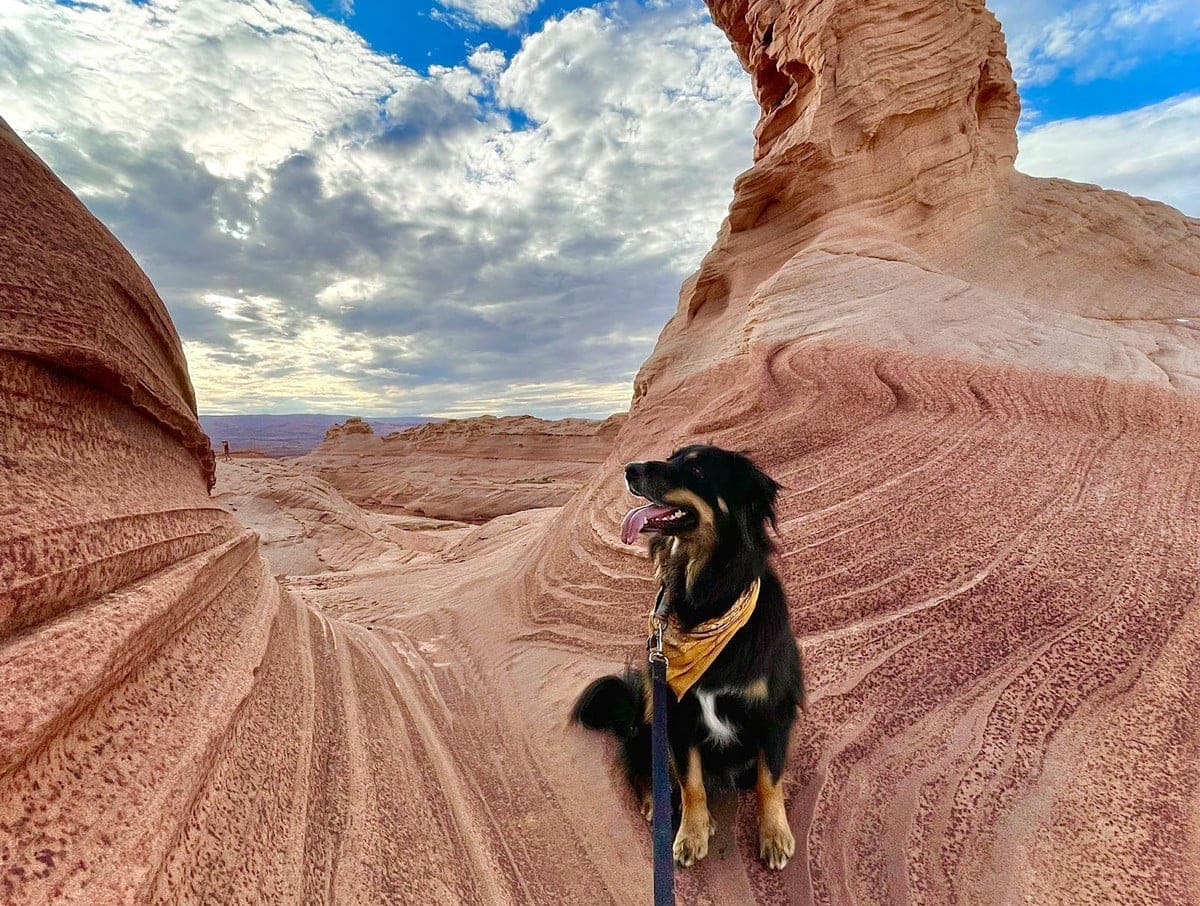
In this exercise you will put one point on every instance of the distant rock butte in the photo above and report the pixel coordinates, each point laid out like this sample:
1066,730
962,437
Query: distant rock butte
466,470
352,426
978,389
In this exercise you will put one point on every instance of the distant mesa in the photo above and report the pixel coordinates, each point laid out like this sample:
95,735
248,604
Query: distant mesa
289,435
465,470
978,390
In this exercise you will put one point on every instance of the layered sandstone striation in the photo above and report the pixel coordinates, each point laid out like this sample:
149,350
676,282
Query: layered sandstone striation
466,470
174,726
978,390
883,206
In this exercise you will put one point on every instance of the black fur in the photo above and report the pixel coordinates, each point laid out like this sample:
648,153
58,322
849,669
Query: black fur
734,553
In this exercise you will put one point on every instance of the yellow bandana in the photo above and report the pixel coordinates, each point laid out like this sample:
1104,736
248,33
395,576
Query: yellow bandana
689,654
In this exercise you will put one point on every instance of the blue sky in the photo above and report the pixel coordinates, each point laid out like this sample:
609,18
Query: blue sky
425,34
1112,78
455,207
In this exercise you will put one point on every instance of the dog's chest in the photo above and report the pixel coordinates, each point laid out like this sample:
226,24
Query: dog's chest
722,730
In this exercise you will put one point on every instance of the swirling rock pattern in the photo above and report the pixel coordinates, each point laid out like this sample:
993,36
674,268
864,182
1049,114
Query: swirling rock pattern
978,389
992,573
173,727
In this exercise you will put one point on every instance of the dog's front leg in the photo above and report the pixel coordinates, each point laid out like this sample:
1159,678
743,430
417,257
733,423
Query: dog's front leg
695,827
775,841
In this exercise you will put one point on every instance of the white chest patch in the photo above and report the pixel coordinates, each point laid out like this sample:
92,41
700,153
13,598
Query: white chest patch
720,731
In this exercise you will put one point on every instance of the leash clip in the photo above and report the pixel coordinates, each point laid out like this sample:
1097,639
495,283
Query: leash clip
658,622
654,644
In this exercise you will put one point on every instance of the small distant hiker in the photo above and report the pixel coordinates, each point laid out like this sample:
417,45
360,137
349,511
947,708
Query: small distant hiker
225,444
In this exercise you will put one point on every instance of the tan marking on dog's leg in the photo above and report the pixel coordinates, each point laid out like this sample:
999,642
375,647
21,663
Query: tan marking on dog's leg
645,794
775,841
756,691
696,825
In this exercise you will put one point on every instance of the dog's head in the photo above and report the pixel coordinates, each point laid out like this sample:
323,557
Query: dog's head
701,495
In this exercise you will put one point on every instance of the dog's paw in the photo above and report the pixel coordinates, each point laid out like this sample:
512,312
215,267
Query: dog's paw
648,808
776,845
691,843
690,848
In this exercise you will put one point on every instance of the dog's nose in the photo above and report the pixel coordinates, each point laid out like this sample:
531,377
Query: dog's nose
633,470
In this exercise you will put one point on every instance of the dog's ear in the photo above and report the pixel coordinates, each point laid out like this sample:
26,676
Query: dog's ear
758,506
763,490
766,490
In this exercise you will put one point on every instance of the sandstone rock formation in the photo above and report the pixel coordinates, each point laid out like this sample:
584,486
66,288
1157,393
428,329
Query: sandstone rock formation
174,727
977,388
884,207
305,527
980,391
352,426
467,470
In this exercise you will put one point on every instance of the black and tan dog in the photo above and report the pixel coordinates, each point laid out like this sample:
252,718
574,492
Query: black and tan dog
734,663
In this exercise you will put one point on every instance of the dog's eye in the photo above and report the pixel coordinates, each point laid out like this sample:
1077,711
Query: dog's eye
697,471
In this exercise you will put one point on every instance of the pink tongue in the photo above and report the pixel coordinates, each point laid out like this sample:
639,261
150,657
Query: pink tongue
637,518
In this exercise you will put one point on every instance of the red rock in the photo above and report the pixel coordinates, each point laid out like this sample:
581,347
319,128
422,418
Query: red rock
980,392
978,389
466,470
352,426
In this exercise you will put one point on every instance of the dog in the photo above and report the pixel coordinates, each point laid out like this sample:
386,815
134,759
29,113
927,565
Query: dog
731,712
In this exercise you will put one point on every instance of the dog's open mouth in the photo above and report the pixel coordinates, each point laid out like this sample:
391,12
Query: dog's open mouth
656,519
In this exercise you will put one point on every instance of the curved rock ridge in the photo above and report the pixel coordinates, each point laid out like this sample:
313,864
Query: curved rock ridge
466,470
117,337
883,205
979,390
175,727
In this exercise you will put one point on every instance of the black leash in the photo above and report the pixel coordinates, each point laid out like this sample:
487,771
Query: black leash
664,861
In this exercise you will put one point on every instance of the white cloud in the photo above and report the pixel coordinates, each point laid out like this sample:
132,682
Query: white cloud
1092,39
487,61
1152,152
504,13
237,85
350,291
307,206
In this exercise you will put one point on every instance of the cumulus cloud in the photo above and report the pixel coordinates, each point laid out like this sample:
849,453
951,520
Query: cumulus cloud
237,85
1160,164
503,13
332,229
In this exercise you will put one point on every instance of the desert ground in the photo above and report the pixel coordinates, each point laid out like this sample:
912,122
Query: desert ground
268,681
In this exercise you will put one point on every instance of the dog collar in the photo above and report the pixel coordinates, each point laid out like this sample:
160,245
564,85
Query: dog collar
691,652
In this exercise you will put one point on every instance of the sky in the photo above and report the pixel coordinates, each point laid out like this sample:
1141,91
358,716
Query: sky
460,207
